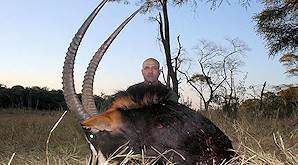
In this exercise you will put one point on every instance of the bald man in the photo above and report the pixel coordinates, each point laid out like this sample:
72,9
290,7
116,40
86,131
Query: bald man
151,72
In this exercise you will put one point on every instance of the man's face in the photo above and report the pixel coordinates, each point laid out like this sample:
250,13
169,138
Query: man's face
150,71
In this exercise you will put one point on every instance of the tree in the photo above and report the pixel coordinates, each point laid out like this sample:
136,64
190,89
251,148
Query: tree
38,98
277,23
215,79
290,98
274,105
163,25
17,95
232,90
290,60
164,32
5,101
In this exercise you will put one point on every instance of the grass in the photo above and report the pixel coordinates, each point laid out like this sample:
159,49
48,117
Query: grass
261,140
256,140
25,133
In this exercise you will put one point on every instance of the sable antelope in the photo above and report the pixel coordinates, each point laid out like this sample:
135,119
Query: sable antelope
141,116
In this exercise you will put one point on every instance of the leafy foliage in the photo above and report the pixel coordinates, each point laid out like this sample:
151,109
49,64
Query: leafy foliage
278,25
35,98
290,60
282,104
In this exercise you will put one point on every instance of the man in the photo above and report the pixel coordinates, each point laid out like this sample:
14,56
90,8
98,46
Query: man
151,72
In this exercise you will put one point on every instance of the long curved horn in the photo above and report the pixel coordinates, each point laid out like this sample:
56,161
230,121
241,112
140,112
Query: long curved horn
87,91
70,96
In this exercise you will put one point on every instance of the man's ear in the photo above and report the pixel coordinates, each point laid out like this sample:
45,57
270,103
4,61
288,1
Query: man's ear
97,123
160,70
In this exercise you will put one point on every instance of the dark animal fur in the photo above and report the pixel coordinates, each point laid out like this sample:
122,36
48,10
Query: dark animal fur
165,125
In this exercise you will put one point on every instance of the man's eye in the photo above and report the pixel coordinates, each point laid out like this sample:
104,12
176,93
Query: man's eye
153,67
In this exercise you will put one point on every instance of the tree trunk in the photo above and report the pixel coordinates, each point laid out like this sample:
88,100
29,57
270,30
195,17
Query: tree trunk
36,105
167,47
261,99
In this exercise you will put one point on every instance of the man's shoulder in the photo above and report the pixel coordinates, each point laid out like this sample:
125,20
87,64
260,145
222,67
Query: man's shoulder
144,84
136,85
159,89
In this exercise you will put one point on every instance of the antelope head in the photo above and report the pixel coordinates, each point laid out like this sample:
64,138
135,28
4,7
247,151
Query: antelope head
85,110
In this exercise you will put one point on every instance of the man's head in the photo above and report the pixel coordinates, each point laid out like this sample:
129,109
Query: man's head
151,70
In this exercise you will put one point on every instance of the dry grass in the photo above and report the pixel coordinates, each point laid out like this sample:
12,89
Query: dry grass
261,140
257,141
25,133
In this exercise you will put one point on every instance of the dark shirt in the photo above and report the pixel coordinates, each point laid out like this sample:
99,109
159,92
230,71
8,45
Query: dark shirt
171,95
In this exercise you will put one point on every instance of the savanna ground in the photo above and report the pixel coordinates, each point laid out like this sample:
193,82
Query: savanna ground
23,136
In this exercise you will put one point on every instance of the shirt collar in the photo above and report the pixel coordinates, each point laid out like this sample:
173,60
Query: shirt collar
152,83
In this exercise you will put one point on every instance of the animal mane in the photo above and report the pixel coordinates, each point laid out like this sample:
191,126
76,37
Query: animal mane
139,96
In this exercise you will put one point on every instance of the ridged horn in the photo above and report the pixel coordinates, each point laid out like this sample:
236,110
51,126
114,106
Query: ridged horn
87,90
70,96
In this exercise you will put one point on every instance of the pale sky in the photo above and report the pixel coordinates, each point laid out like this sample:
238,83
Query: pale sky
35,34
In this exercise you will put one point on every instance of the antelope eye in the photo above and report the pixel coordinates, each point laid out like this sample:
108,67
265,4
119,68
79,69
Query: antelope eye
91,136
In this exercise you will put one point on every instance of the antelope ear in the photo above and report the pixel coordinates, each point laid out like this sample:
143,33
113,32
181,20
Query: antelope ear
97,123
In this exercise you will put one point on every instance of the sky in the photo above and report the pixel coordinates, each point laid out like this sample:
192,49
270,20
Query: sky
35,35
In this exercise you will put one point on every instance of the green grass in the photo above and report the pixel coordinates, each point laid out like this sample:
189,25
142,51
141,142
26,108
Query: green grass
25,133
